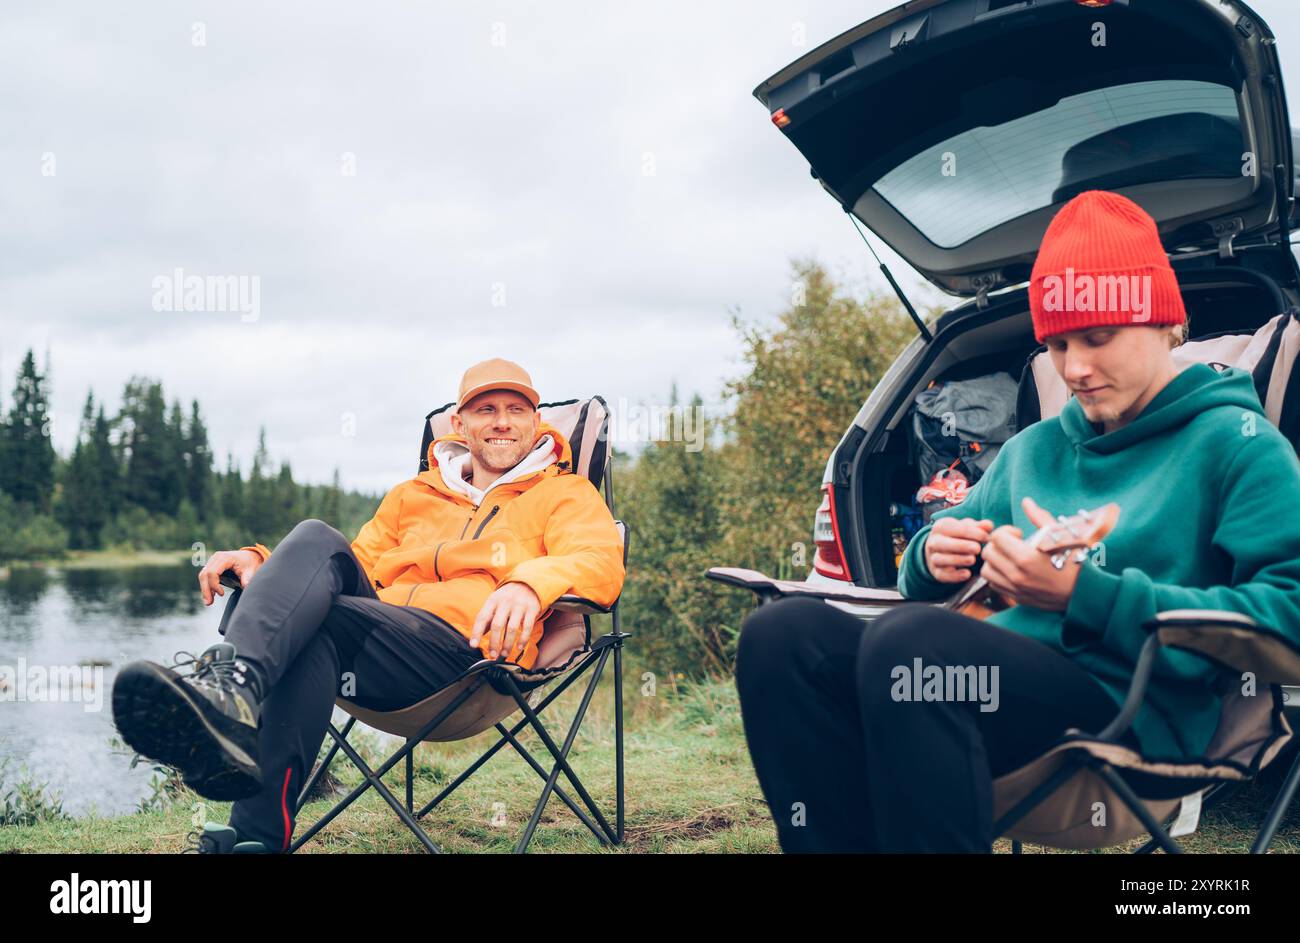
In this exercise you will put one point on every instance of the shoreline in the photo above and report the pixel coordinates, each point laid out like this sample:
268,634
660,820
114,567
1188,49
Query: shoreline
98,560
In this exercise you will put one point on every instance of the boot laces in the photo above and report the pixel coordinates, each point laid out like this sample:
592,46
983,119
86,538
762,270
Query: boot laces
207,671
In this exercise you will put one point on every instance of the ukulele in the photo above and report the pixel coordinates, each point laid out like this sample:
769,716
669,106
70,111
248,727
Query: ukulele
1074,535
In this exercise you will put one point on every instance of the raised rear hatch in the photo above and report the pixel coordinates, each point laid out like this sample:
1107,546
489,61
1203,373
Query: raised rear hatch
954,129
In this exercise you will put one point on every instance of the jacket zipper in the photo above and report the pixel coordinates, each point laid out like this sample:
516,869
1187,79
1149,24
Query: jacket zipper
469,520
438,549
492,514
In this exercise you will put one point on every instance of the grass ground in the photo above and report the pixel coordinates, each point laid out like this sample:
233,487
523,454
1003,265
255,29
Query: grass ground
690,788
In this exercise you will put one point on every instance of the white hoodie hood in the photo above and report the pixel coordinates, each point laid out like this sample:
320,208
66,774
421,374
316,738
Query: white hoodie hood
454,464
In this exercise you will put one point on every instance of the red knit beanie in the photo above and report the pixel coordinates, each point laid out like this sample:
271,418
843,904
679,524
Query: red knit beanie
1101,262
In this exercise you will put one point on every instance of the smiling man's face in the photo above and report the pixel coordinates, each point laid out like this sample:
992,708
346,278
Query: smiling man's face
500,428
1113,371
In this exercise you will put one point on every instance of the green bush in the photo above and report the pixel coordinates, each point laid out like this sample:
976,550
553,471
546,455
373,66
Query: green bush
26,535
671,501
134,528
749,500
27,802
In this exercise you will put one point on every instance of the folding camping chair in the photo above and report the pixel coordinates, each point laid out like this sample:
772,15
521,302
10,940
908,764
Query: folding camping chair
1090,791
489,692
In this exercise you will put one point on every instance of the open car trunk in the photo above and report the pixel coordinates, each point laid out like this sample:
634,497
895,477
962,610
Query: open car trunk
972,342
954,129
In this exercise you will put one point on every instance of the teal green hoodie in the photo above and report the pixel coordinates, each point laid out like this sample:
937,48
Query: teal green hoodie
1209,496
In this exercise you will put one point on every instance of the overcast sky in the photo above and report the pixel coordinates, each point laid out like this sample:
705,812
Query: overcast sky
586,188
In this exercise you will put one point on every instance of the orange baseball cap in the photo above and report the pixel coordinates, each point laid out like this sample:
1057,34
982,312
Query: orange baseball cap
496,374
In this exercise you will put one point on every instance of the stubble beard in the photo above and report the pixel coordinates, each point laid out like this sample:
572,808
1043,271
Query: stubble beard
1098,412
1101,413
487,456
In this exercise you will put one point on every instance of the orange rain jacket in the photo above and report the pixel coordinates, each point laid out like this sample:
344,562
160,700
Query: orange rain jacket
429,546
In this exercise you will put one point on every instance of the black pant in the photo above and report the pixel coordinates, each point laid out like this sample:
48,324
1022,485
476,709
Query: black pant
311,623
851,760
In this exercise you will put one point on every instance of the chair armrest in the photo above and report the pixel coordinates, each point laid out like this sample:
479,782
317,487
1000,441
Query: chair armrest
1231,638
568,603
229,580
768,588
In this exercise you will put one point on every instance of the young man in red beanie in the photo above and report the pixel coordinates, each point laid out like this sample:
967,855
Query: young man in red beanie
1209,493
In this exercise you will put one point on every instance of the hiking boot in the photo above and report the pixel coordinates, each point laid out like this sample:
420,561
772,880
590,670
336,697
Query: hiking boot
204,724
222,840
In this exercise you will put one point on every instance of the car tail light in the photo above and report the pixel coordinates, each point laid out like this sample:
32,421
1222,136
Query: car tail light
780,118
1093,3
829,558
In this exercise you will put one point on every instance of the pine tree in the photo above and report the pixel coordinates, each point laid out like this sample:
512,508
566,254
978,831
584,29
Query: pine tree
288,501
27,473
198,484
259,518
175,460
109,470
81,508
144,438
232,492
330,509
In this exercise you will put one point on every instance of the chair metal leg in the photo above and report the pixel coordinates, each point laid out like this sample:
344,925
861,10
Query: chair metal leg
1215,796
321,769
372,778
496,747
1068,769
1138,808
600,828
564,796
374,781
1280,806
561,761
410,776
618,736
604,835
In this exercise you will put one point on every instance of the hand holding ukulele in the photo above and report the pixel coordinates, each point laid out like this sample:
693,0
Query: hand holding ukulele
1023,573
1015,570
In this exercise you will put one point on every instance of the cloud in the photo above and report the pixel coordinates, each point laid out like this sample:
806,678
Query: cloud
602,169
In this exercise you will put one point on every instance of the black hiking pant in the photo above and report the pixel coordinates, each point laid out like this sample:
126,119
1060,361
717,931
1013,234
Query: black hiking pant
310,622
851,759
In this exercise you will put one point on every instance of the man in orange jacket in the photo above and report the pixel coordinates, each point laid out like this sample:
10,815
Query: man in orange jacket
460,563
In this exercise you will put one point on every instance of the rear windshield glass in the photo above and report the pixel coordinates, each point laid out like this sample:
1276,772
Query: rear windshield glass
1101,139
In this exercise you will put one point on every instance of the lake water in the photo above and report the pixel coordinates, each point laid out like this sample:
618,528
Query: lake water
56,723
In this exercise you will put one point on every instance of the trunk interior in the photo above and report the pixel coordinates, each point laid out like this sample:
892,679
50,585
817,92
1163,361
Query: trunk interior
970,343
